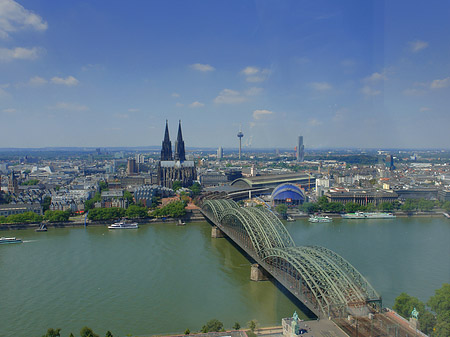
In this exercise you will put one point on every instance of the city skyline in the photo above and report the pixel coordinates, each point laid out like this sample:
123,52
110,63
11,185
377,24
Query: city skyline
84,74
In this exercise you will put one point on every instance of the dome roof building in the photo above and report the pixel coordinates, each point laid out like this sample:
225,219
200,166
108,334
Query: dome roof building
288,194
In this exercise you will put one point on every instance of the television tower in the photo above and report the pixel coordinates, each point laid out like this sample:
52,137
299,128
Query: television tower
240,135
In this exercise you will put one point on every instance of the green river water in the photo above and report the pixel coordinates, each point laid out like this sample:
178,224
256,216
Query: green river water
164,278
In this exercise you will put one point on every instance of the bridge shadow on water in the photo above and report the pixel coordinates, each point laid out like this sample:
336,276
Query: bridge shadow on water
299,304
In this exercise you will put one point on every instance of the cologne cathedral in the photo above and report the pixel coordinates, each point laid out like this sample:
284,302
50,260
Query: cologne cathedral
176,167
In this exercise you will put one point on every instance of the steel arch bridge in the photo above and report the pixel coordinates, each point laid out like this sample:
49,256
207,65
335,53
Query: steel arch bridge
323,280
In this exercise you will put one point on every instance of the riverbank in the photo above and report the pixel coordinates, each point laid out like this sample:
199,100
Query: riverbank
97,223
399,214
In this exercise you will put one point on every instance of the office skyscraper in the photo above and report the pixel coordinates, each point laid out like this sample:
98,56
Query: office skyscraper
220,153
300,150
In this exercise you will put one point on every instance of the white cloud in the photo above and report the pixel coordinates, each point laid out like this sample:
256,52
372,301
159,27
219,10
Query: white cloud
179,105
196,104
368,91
424,109
250,71
417,45
254,74
14,17
320,86
228,96
133,110
69,106
258,114
175,95
253,91
10,111
69,81
202,67
20,53
314,122
437,84
375,77
37,81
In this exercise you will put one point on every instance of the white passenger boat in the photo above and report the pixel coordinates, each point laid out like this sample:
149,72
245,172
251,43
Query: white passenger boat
369,215
123,225
319,218
9,240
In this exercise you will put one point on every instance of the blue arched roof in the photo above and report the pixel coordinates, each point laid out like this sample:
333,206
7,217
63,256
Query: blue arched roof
288,191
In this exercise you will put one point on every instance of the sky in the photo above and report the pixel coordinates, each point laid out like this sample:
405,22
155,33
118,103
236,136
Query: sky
101,73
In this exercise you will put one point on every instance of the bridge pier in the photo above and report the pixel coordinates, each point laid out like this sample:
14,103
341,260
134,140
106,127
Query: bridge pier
216,232
257,273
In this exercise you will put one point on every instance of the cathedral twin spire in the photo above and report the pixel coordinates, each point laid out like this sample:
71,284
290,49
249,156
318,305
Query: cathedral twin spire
166,151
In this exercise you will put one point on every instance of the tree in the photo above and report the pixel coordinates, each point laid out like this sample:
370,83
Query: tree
440,302
187,332
106,213
127,195
213,325
71,335
57,216
404,305
236,326
134,211
176,185
386,206
109,334
323,203
446,206
175,209
282,209
409,205
103,185
52,333
352,207
46,203
87,332
89,204
335,207
196,189
427,321
30,182
26,217
252,325
309,207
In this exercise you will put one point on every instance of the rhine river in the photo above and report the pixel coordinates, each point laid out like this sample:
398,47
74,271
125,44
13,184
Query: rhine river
162,278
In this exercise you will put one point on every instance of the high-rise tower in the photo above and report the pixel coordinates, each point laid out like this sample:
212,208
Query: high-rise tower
179,146
240,135
300,149
166,150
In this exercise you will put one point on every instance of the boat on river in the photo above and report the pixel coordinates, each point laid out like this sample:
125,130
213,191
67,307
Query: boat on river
122,224
10,240
369,215
319,218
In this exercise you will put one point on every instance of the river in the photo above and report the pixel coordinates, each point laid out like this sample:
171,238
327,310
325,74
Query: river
164,278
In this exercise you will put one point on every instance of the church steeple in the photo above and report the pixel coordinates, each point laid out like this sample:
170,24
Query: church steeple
179,146
166,151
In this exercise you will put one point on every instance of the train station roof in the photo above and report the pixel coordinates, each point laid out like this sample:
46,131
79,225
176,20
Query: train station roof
272,180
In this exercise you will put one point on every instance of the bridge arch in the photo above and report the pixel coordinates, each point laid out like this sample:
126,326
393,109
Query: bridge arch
327,283
331,283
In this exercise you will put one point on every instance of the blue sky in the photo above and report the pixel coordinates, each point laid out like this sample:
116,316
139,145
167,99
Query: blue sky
340,73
